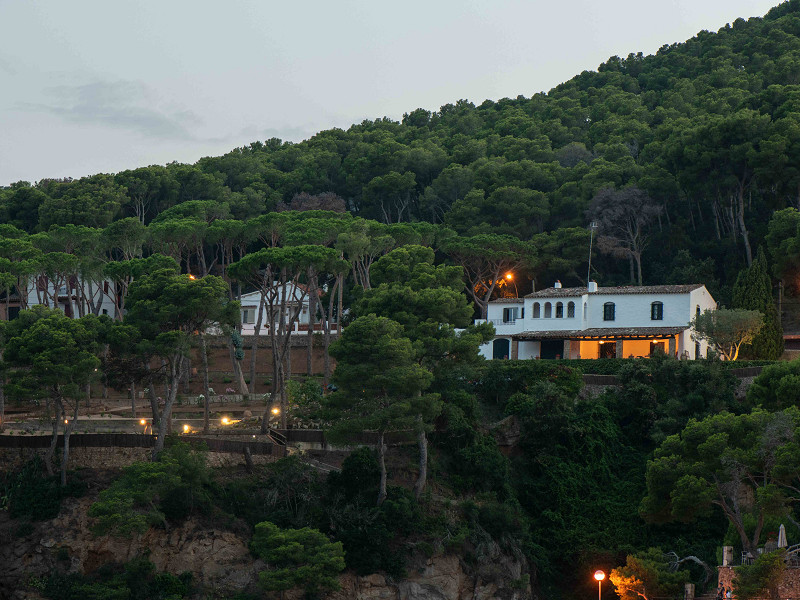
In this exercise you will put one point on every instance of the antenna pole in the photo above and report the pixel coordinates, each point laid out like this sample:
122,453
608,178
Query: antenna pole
592,228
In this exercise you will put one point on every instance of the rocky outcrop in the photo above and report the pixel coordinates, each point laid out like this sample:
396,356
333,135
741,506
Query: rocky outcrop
443,578
220,560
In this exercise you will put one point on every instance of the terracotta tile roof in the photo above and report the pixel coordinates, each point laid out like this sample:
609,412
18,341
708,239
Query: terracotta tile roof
601,332
623,289
507,301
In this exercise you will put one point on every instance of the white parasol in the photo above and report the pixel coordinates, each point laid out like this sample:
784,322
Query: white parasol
782,537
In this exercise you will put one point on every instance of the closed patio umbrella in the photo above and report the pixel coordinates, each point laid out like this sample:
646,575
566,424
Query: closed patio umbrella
782,537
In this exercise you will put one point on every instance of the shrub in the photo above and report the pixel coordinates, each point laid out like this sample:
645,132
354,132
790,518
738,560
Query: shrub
297,557
151,493
29,493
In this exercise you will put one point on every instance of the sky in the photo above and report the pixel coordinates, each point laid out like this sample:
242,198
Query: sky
100,86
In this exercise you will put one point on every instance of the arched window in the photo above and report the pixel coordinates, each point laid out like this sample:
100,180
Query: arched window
536,310
571,310
657,311
585,311
559,310
609,311
548,310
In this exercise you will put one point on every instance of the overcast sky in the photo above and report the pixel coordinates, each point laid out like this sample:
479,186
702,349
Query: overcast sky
103,86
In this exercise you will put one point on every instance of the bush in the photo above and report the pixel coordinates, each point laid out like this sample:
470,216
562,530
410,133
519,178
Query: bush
151,493
135,580
359,477
29,493
777,387
297,557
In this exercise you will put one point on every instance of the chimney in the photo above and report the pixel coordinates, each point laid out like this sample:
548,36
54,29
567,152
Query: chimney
557,284
592,286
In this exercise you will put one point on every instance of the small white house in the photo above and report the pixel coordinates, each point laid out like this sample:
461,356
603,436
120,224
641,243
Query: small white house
75,297
296,296
598,322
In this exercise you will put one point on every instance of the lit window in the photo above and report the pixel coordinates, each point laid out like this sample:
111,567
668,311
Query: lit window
657,311
609,311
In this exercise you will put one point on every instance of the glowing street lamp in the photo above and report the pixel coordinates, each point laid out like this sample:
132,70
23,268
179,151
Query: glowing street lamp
276,411
599,576
509,276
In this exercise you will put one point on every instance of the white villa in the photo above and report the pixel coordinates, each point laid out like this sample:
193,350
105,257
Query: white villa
73,297
295,296
598,322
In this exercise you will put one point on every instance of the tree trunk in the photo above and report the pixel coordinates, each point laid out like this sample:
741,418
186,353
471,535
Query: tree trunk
48,457
638,258
743,228
312,312
164,417
153,398
207,402
133,398
2,398
254,345
631,269
68,427
382,464
422,443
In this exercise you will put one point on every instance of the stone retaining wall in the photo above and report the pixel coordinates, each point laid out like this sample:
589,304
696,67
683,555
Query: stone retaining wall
789,587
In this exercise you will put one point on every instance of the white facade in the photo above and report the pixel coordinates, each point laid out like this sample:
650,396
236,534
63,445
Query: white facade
295,296
598,322
75,297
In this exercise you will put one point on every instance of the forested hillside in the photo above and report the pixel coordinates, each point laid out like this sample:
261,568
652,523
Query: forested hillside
689,163
707,128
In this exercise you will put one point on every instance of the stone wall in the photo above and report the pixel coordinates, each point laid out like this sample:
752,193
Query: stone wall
115,458
788,588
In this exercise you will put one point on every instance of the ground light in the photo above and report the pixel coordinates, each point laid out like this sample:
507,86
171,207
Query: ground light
276,411
185,429
225,421
599,576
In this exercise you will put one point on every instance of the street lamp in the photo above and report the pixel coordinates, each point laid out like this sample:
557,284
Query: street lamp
599,575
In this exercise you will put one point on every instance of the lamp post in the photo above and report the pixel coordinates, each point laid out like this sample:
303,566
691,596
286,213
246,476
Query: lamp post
599,575
592,229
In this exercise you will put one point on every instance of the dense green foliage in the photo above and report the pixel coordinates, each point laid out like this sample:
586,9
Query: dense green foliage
154,493
753,291
28,493
134,580
762,576
707,130
297,558
777,387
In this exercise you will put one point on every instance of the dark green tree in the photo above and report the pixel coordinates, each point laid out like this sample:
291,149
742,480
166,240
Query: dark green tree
753,291
380,382
297,557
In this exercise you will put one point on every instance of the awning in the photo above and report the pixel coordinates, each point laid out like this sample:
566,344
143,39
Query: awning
599,333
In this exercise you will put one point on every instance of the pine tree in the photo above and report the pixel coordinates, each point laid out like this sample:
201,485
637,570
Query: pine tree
753,291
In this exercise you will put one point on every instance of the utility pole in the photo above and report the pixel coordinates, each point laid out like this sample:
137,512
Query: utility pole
592,229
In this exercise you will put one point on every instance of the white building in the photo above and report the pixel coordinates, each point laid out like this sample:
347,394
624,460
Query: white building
296,297
75,297
598,322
